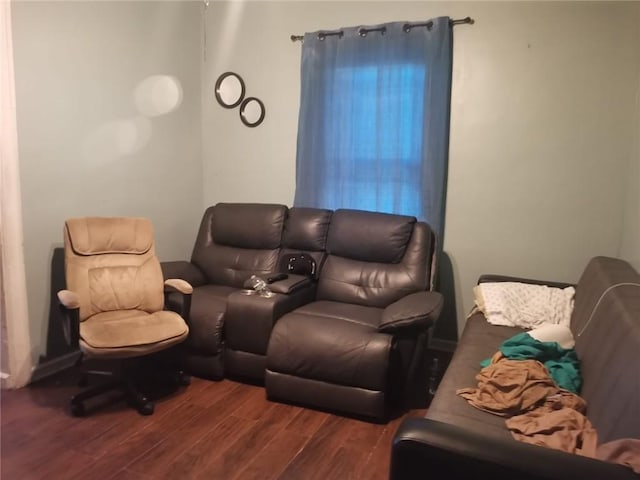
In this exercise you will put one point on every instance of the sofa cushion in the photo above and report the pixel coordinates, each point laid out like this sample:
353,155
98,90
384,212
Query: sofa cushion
236,241
324,346
367,316
305,232
607,335
233,266
256,226
479,340
306,229
369,236
377,284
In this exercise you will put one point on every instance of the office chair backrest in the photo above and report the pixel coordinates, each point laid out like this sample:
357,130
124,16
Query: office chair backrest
110,263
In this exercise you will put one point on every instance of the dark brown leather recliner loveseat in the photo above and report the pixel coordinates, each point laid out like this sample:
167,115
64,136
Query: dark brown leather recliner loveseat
456,440
349,338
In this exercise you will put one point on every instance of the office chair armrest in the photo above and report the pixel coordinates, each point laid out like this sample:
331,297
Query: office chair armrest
185,270
69,299
70,308
183,287
178,285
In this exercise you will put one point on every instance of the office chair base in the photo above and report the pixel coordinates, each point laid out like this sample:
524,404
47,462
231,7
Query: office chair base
77,409
143,405
128,385
77,401
183,379
138,400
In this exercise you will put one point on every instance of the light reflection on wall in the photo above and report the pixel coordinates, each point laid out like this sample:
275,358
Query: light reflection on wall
227,38
158,95
118,138
154,96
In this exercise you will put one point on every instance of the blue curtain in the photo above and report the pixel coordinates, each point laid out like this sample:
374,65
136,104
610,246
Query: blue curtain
373,129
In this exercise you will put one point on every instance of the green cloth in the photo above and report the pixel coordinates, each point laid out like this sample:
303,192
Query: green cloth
562,363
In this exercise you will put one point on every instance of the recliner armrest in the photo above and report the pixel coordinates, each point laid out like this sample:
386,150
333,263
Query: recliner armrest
183,270
422,446
417,310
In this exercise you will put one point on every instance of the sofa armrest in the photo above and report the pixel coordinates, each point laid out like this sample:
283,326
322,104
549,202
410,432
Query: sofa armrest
415,311
493,278
422,446
290,284
183,270
249,319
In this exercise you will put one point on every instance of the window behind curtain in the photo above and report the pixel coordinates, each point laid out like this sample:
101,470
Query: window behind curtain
374,120
381,168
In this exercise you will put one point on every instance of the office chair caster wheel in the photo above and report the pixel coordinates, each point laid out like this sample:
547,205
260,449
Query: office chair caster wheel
77,409
146,408
141,403
183,379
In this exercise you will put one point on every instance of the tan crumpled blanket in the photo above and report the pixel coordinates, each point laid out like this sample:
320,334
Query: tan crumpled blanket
624,450
558,423
540,412
509,387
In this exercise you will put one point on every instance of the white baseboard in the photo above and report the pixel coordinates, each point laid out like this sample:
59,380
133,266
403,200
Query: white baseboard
54,365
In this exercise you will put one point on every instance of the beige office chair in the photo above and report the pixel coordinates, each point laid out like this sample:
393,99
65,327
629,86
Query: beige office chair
114,303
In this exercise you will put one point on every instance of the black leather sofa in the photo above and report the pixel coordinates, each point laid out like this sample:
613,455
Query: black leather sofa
350,337
456,440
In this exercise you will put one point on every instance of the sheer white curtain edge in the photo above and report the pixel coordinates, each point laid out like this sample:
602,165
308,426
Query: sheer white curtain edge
16,344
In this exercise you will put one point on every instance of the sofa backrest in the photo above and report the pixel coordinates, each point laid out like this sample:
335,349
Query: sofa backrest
237,240
305,231
606,326
374,258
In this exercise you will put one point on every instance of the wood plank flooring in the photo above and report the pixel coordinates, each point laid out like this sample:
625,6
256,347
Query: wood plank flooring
214,430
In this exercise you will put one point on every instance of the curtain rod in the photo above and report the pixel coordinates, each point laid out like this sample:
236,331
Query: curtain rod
363,31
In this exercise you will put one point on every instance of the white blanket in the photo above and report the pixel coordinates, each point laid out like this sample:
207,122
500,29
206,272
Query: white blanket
524,305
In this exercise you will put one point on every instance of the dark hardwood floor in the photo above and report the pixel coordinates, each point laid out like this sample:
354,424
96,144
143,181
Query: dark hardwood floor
226,430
